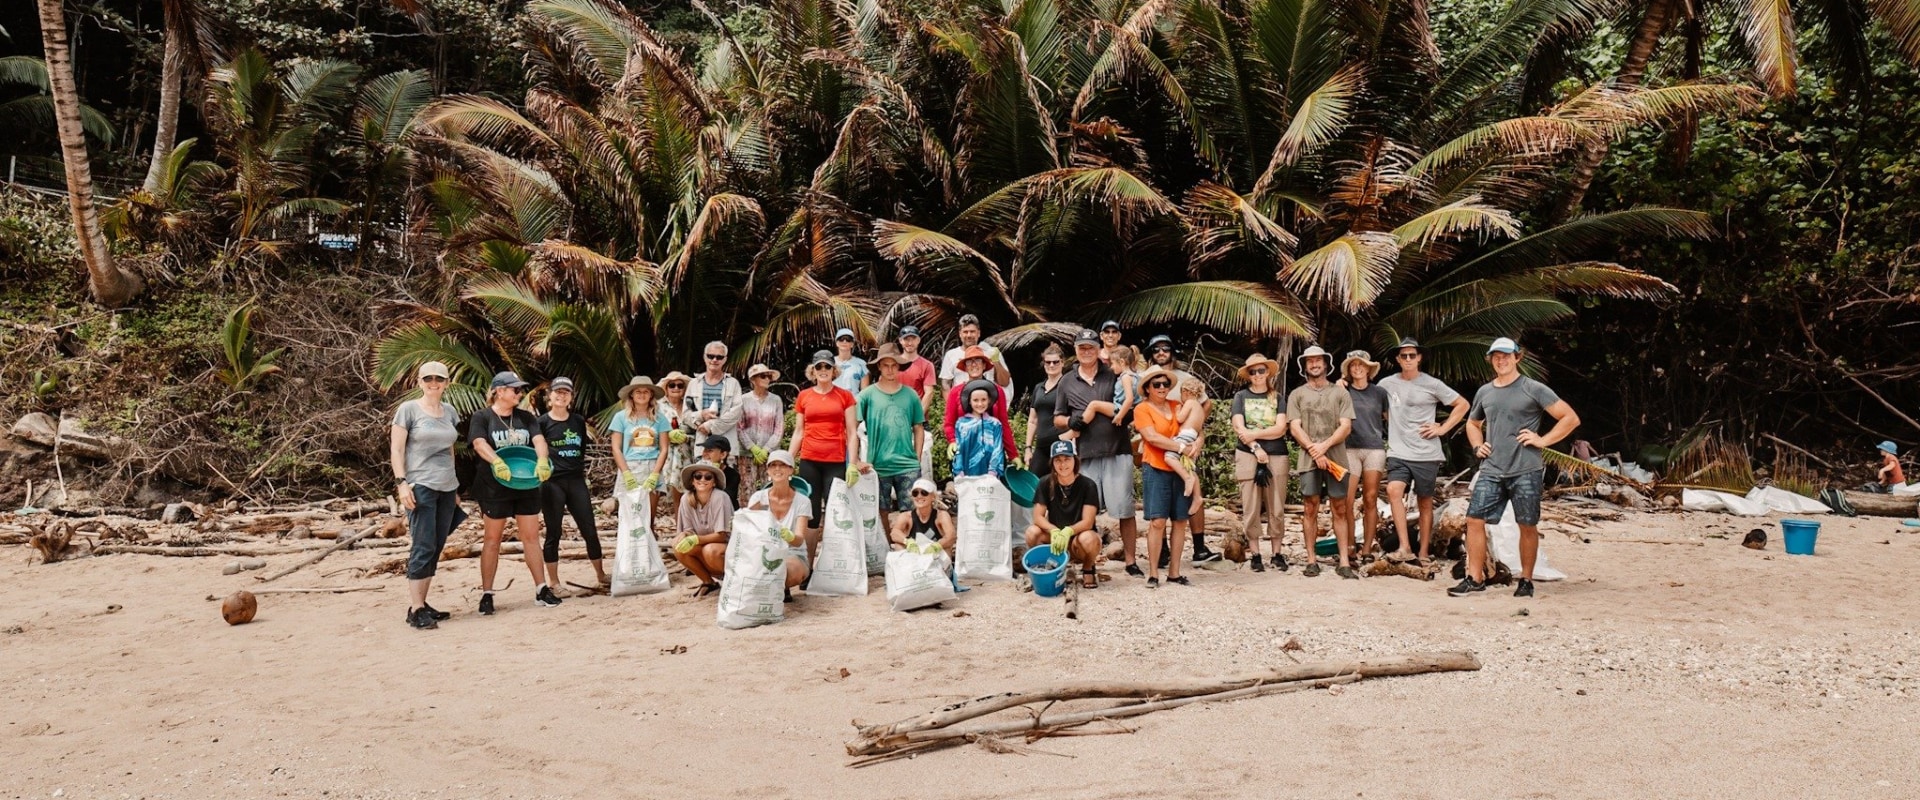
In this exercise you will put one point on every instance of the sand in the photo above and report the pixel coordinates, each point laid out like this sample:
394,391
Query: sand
1655,670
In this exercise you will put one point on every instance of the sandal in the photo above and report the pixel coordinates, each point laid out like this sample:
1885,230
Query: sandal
1089,581
705,589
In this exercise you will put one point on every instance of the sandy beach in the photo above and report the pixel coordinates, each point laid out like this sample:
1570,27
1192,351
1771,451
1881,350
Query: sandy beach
1655,670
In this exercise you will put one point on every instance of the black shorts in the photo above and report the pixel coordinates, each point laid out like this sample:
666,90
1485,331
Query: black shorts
510,503
1422,475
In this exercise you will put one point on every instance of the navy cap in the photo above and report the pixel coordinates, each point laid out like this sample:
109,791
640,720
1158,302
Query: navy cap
1064,449
910,330
505,379
1086,337
719,443
559,384
1109,325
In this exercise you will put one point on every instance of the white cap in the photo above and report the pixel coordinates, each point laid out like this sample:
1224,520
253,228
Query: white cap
780,457
1503,345
433,369
924,485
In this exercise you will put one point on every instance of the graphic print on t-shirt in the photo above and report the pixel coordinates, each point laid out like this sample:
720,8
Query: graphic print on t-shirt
1260,412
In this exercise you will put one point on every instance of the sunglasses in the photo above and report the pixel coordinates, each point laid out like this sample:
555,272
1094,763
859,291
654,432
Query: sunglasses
1257,371
1160,385
922,493
1163,350
763,377
703,477
1051,362
1407,356
433,379
712,357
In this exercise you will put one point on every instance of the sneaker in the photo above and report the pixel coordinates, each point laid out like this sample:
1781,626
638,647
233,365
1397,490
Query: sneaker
1153,583
1525,589
1257,566
422,619
1205,557
1135,570
1346,572
1279,562
1182,580
437,613
545,597
486,604
1312,570
1466,586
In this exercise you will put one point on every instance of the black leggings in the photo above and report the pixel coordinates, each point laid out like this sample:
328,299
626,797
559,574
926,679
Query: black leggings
562,495
820,475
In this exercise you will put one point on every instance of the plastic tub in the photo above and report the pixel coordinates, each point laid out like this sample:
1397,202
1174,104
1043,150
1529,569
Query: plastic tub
1022,484
521,461
1799,535
1046,568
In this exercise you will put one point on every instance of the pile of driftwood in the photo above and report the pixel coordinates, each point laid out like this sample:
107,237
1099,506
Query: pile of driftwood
1044,715
199,532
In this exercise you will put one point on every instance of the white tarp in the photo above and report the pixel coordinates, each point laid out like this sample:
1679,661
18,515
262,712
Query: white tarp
1905,488
637,566
753,591
917,576
841,566
1504,539
982,516
1709,500
1785,502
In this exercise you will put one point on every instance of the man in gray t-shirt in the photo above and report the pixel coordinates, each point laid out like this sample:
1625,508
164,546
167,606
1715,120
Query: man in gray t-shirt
1414,454
1504,429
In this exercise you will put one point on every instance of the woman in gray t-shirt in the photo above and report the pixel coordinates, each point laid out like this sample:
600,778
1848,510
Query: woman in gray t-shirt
420,449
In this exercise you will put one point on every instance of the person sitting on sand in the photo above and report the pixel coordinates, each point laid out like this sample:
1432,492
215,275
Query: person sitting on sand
928,521
706,514
792,512
1063,517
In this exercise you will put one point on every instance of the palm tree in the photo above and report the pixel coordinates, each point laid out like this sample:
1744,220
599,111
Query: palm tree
187,40
265,123
110,284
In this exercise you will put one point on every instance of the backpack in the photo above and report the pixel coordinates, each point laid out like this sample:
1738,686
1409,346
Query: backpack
1836,500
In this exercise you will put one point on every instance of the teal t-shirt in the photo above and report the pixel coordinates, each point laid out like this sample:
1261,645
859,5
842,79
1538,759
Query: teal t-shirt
642,437
890,419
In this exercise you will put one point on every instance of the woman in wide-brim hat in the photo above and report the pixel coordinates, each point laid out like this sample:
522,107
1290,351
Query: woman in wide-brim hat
638,434
678,450
763,424
705,521
1259,418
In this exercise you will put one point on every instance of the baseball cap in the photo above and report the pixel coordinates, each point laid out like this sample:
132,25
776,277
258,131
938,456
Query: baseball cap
1408,342
1503,345
821,357
780,457
910,330
1109,325
1086,337
1063,449
843,333
560,384
433,369
1160,340
501,379
719,443
924,485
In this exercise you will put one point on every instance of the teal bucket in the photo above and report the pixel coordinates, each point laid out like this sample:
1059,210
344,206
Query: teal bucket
1799,535
521,461
1046,568
1022,484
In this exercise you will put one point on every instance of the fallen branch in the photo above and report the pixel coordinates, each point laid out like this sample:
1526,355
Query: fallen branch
1073,592
194,552
876,739
1652,541
322,590
339,544
1801,450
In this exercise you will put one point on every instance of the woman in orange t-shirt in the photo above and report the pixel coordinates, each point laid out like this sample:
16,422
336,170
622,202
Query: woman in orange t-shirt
1161,489
823,415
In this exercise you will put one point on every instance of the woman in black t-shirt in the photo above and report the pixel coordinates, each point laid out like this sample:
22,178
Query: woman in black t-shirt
1063,513
504,424
1041,434
566,493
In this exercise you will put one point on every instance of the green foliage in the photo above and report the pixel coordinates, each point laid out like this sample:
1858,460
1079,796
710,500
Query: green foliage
244,367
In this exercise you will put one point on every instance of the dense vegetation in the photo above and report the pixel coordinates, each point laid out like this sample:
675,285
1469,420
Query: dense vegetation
578,186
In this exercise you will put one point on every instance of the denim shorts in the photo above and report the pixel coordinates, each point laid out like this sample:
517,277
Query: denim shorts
894,491
1491,495
1163,494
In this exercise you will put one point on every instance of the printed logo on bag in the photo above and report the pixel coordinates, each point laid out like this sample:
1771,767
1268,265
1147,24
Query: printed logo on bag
983,514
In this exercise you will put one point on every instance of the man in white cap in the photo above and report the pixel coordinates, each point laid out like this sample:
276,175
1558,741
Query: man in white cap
1504,429
1320,416
1414,454
1103,445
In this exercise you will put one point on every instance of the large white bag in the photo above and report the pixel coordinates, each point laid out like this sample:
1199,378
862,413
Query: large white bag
982,518
1786,502
917,578
864,503
1504,539
1709,500
637,567
754,588
841,566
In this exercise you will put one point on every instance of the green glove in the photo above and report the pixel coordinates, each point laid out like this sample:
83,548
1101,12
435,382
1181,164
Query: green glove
628,483
686,544
787,535
543,469
853,474
1060,538
677,436
501,472
953,451
651,482
759,454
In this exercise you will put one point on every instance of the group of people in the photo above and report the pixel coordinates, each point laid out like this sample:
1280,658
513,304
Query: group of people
697,444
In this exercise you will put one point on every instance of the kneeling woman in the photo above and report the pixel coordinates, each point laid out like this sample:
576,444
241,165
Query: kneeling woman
706,515
792,512
928,521
1063,516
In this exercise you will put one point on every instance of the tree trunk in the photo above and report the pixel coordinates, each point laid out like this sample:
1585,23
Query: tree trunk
1632,72
111,285
166,128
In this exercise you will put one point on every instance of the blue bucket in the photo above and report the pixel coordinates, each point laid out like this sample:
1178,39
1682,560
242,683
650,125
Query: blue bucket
1046,579
1799,535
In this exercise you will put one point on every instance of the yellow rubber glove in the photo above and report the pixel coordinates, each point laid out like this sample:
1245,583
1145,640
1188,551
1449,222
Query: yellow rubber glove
542,470
651,482
759,454
677,436
787,535
629,483
686,544
502,472
1061,536
953,451
853,474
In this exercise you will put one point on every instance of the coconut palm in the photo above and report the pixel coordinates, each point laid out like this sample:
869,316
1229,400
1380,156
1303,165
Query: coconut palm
265,120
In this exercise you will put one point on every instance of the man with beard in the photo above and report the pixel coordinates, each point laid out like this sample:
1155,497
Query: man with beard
1321,415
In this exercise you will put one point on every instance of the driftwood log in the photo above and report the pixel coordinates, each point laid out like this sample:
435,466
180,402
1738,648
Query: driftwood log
1884,505
938,727
339,544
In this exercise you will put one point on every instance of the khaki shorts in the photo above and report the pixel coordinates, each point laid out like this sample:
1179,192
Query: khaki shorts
1366,460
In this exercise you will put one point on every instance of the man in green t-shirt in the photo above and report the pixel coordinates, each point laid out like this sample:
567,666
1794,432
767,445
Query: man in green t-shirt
896,426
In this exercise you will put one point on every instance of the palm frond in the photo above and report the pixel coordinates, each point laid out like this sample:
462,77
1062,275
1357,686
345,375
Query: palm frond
1902,18
1468,216
1222,223
1239,308
1349,271
1767,25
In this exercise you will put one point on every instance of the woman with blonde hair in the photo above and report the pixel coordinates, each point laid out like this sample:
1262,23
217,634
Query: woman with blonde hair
503,423
639,433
